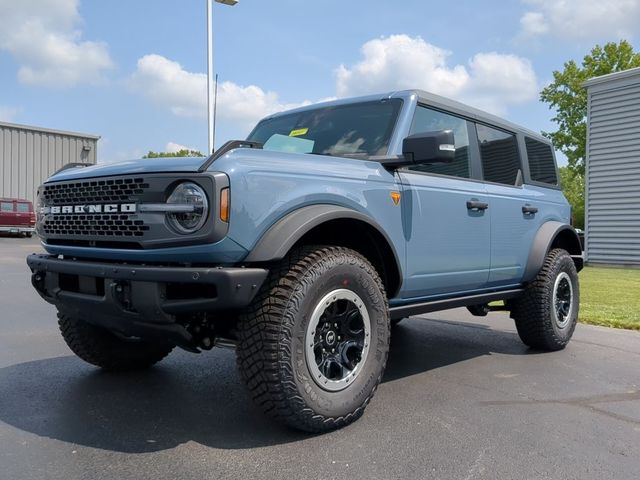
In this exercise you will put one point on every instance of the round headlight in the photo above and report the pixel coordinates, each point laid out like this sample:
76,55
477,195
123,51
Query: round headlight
194,215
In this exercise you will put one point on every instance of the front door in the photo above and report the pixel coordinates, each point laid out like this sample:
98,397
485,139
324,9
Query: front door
446,219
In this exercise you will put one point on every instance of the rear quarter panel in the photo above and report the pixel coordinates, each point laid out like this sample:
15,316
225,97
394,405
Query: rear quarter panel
512,233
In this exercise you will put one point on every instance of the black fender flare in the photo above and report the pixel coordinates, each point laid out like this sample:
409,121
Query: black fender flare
276,242
542,242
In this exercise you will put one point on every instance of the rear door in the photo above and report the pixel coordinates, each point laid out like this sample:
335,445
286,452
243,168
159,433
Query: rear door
515,210
447,227
23,214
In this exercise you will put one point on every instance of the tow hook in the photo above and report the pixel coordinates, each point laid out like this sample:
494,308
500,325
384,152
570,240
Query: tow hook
37,280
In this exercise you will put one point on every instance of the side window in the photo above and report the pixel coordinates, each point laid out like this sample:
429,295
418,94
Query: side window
6,206
427,120
541,165
23,207
499,154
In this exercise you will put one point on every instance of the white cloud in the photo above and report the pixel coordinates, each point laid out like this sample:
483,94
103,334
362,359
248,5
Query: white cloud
491,81
581,19
399,62
8,114
44,38
498,81
534,23
167,84
176,147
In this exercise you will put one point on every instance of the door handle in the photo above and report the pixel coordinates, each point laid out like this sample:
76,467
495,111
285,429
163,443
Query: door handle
476,206
527,210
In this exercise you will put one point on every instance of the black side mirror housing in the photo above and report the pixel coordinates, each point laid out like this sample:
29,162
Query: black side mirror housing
430,147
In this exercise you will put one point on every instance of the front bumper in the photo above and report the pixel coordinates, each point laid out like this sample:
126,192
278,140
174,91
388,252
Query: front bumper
17,229
142,300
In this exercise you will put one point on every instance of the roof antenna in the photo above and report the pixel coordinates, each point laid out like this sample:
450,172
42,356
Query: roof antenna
215,105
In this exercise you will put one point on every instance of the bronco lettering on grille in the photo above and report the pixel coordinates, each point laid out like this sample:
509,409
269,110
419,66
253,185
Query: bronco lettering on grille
96,208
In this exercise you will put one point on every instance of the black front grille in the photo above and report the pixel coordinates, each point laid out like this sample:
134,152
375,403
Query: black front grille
107,225
106,212
94,191
120,227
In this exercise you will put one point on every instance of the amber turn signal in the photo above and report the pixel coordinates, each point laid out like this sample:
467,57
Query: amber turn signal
224,205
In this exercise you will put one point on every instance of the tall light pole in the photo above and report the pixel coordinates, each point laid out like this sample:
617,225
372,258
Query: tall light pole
210,96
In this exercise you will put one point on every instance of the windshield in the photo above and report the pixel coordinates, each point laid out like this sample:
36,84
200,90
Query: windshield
352,129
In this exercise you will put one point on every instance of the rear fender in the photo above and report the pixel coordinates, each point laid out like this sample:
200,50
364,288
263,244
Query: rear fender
552,235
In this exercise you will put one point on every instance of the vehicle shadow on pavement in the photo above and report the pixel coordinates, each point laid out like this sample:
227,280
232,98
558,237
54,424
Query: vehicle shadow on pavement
421,344
198,398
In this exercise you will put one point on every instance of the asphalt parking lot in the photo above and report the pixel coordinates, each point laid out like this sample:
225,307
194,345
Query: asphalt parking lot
462,399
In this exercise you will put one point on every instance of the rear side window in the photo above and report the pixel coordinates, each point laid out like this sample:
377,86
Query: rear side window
427,120
499,154
6,207
23,207
541,165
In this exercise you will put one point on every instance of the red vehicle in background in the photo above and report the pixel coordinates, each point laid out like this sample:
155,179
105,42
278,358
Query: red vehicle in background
17,216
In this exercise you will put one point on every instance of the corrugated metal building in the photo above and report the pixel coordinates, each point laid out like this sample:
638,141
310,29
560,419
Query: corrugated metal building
612,214
28,155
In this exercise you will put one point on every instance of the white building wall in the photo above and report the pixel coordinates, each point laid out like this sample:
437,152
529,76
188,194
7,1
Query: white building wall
28,155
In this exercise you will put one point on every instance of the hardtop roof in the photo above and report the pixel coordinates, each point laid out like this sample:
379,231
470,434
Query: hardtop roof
429,99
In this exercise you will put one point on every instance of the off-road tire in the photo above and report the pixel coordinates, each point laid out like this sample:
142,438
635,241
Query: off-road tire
272,338
102,348
534,311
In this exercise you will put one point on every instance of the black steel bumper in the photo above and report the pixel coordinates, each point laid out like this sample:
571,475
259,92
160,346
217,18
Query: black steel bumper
141,300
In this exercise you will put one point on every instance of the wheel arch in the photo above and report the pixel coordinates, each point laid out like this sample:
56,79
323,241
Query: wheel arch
552,235
335,225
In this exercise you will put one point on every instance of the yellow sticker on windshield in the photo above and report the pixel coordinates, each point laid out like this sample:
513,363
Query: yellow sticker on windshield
298,132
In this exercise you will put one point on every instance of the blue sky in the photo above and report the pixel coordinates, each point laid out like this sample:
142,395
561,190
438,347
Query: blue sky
133,71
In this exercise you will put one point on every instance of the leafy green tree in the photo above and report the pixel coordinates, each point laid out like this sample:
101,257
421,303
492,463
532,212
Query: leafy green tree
572,182
179,153
568,97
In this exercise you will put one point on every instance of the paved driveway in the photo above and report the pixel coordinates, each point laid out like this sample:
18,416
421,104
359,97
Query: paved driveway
462,399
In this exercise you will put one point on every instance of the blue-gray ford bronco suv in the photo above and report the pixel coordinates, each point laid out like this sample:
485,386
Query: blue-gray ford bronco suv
304,244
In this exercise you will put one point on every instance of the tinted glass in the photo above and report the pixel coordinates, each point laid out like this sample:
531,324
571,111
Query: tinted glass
541,165
427,120
6,206
499,154
23,207
357,129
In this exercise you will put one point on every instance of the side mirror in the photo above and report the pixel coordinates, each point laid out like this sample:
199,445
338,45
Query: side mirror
430,147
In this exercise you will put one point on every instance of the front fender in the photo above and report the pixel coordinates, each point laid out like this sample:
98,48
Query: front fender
285,233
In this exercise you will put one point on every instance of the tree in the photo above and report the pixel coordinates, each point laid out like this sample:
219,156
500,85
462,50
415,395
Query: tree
572,182
179,153
569,98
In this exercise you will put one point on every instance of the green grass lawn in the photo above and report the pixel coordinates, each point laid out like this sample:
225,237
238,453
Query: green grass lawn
610,297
